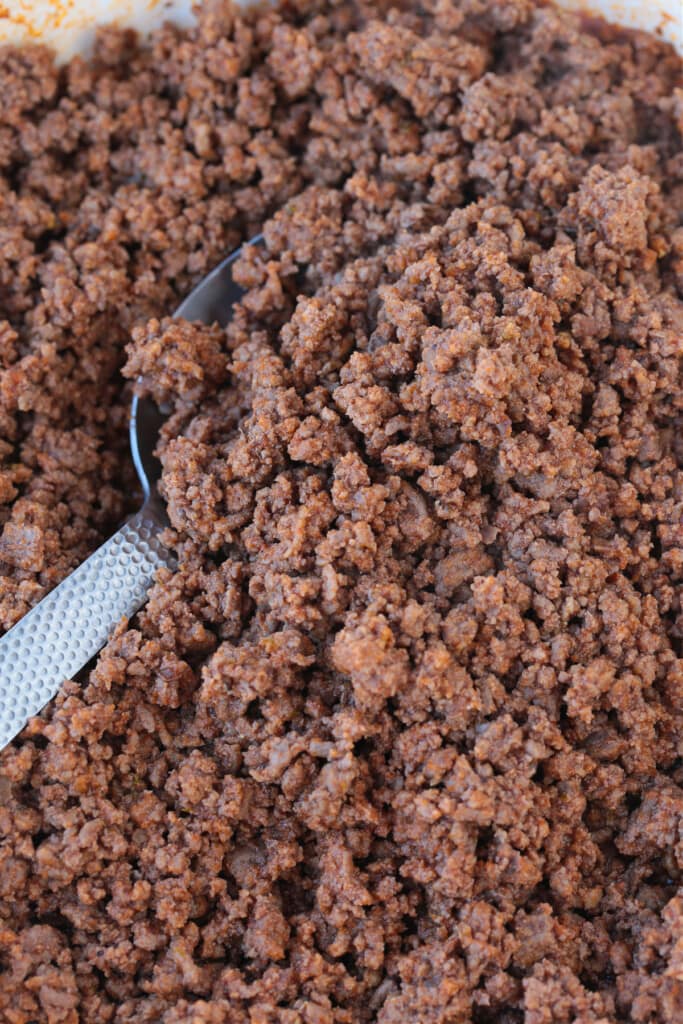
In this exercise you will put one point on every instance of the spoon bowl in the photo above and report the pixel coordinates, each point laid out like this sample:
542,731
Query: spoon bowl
210,302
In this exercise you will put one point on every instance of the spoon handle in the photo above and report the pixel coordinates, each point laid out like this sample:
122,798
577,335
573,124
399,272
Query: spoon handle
68,627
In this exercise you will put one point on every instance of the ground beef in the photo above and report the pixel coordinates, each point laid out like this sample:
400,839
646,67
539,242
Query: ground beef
175,358
400,739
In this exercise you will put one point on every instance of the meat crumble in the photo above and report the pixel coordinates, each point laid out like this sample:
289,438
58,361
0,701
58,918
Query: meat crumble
401,738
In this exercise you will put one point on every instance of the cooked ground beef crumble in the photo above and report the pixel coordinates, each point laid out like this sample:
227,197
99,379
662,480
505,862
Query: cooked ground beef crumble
401,739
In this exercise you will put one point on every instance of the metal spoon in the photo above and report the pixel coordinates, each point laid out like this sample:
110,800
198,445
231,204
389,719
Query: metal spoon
53,641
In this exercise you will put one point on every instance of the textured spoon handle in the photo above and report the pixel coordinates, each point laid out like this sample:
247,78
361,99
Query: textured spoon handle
69,626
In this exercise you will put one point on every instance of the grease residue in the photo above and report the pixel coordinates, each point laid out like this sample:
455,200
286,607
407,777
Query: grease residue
68,25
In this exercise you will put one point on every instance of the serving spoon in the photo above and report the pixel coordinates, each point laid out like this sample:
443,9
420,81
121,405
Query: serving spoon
60,635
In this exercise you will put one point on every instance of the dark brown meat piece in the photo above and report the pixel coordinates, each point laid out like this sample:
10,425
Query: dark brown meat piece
175,359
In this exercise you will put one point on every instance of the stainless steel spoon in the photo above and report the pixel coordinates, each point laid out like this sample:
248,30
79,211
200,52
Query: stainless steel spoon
53,641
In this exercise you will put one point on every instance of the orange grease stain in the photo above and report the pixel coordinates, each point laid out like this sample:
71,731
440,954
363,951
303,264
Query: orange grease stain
20,19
